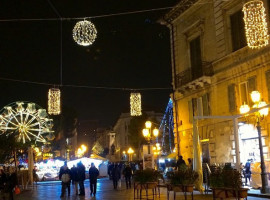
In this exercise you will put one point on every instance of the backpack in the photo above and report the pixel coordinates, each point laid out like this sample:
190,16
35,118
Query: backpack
65,178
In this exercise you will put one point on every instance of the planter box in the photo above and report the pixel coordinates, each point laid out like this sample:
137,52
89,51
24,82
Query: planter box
182,188
223,193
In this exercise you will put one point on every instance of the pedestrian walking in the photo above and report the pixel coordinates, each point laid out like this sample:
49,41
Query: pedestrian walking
127,172
115,175
247,172
81,177
93,175
3,182
65,177
10,184
74,178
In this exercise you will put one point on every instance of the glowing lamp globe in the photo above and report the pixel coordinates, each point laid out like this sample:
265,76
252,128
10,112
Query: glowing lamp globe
155,132
264,111
148,124
244,109
145,132
84,33
255,96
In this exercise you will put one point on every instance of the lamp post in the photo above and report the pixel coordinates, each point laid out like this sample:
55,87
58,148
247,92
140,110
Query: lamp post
156,150
260,114
148,134
130,152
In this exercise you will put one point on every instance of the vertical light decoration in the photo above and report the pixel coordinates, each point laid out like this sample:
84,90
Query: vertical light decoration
255,24
54,101
84,33
135,104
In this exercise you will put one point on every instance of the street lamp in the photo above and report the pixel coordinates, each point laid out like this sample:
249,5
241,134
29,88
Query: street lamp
260,114
148,134
81,150
130,152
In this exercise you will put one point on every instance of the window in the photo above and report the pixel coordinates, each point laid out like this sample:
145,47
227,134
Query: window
205,104
238,30
195,58
243,93
231,97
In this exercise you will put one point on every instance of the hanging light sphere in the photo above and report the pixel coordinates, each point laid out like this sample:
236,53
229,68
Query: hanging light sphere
255,24
84,33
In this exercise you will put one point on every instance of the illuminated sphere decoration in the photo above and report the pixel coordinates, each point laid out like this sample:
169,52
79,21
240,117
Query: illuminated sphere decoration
26,121
255,24
84,33
54,101
135,104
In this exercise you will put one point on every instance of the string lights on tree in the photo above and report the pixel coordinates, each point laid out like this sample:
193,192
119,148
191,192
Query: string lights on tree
84,33
54,101
135,104
255,24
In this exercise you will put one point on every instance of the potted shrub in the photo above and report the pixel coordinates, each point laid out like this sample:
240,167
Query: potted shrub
226,182
183,179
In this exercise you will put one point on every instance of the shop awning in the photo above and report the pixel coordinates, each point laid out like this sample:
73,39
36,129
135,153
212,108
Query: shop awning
172,155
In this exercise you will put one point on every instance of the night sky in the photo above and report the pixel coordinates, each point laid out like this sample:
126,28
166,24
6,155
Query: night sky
131,51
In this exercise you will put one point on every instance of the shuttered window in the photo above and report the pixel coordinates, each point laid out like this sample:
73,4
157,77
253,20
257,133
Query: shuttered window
195,58
267,76
190,111
231,97
205,102
252,86
238,30
243,93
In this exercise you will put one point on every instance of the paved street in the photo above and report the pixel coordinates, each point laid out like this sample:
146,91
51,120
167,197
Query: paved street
52,190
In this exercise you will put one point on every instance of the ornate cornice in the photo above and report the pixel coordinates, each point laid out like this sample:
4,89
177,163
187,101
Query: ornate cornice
181,7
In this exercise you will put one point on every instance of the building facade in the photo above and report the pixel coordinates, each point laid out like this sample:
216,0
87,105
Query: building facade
212,63
121,130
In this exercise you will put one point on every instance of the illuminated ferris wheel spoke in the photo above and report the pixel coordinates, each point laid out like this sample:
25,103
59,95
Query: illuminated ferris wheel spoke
35,124
35,129
8,128
31,120
26,118
8,121
14,116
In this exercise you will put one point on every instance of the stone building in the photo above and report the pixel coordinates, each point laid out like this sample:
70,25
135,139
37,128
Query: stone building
121,129
212,62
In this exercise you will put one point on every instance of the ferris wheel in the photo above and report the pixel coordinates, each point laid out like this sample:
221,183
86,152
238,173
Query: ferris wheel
26,121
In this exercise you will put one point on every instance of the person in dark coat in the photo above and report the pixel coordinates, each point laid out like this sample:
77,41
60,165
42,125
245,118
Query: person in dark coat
3,182
180,162
247,172
65,177
74,178
93,175
127,172
115,175
81,177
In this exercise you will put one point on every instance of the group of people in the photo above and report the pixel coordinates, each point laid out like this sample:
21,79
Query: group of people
8,181
115,171
76,176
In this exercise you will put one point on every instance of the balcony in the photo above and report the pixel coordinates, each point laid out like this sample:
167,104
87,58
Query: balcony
186,80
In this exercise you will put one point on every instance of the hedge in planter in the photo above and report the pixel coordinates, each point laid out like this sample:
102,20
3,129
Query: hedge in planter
147,175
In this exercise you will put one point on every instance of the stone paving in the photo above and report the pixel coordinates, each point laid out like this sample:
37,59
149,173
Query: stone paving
105,191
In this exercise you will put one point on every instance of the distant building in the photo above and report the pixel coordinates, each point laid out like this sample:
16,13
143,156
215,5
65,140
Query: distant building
121,129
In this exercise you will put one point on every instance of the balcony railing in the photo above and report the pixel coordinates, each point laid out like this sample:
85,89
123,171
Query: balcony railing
187,76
